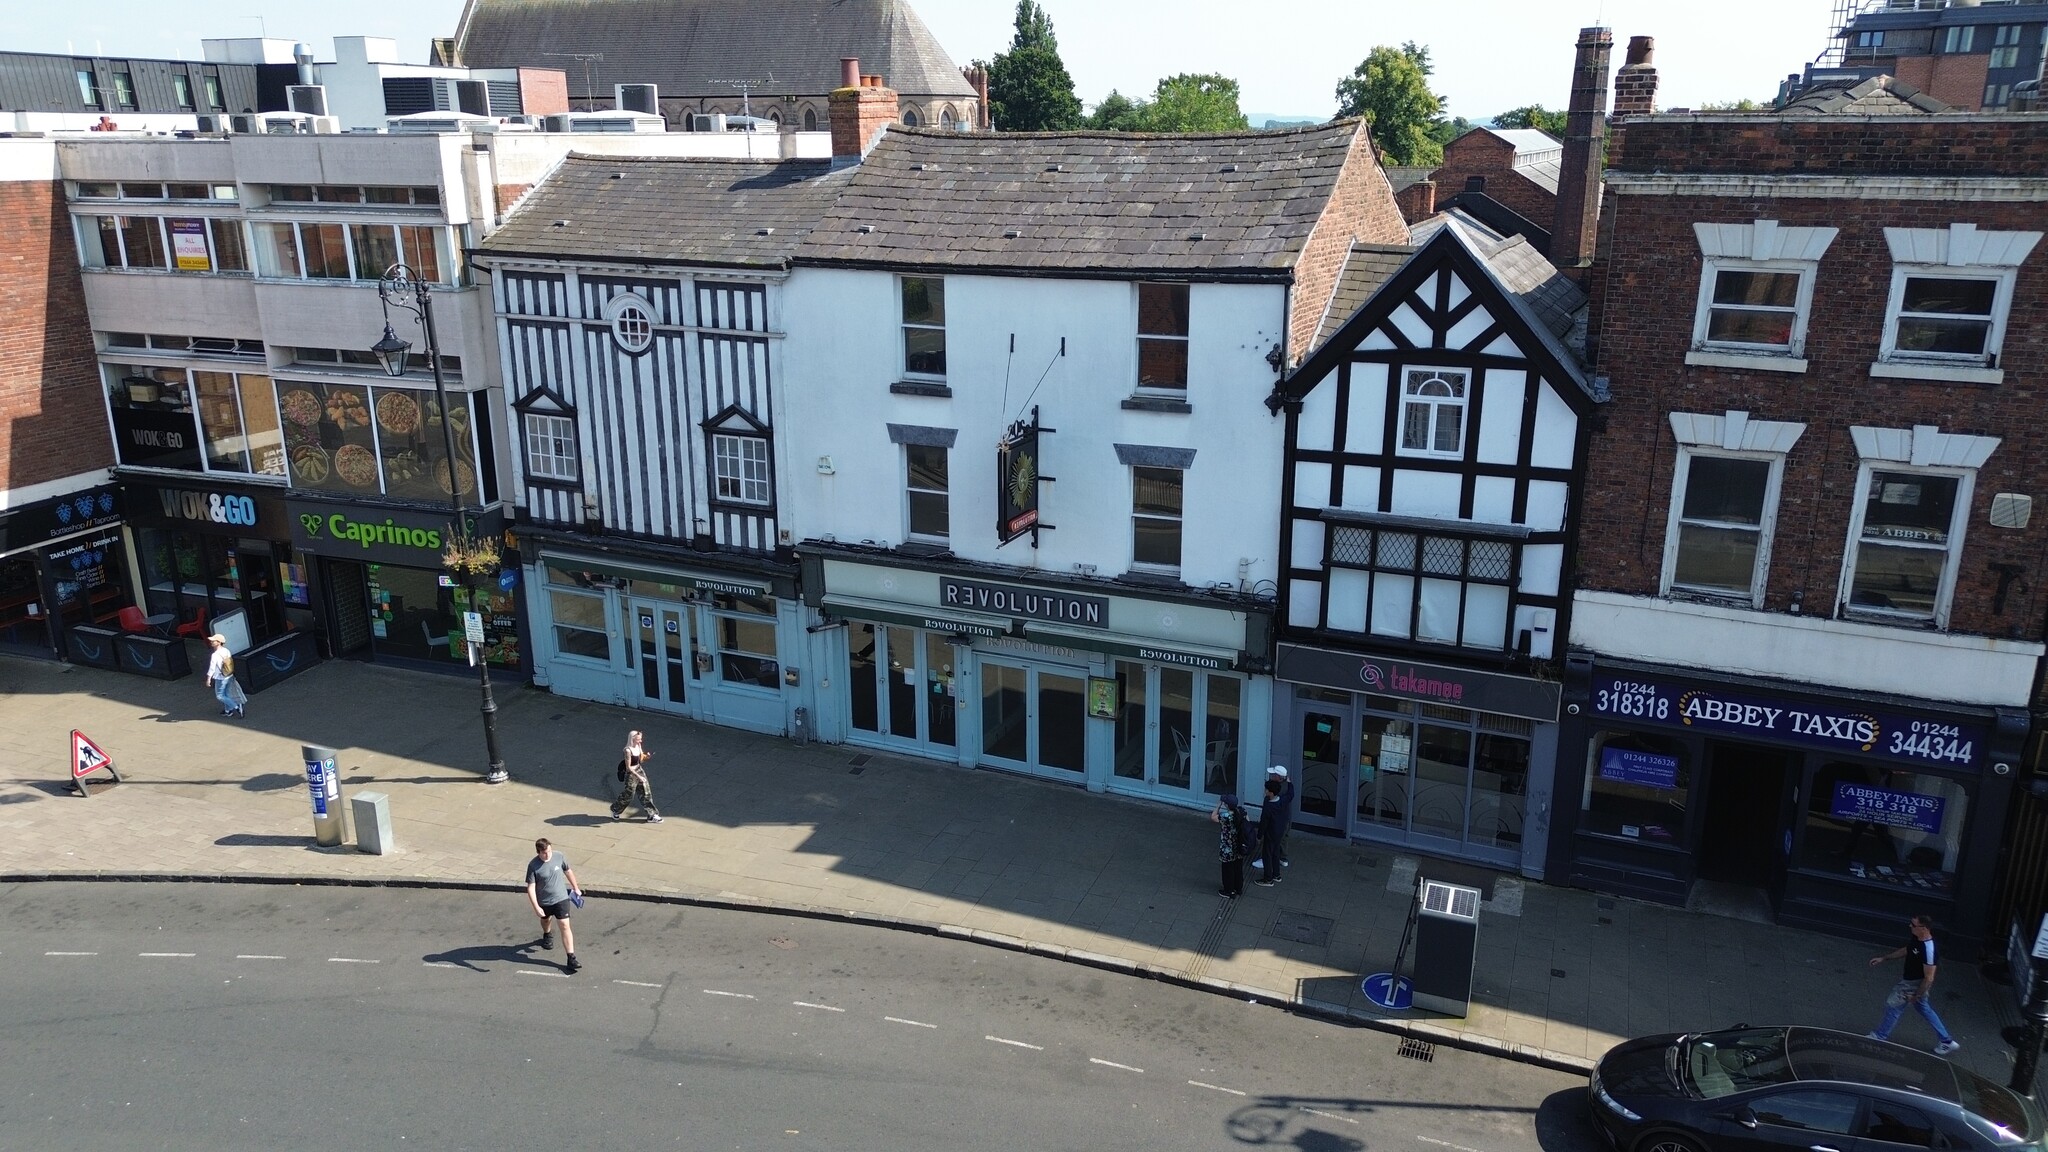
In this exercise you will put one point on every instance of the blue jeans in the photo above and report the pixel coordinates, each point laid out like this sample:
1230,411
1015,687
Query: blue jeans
1895,1007
224,694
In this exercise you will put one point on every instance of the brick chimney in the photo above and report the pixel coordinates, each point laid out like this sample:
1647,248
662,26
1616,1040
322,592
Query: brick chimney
977,78
1585,135
1635,85
859,109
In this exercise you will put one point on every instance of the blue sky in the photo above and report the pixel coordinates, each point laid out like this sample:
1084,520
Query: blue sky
1287,55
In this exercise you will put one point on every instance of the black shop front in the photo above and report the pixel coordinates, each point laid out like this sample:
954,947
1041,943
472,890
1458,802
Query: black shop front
62,566
1845,812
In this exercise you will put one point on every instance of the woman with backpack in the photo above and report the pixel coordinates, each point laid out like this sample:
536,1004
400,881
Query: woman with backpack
633,780
1233,844
220,676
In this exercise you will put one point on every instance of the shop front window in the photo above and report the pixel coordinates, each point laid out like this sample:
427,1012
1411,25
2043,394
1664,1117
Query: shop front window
1386,751
1636,787
359,439
1885,824
198,577
579,623
91,585
1219,750
196,420
746,639
1443,756
1131,720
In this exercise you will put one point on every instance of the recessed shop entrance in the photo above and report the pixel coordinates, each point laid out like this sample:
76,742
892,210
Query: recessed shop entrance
1745,814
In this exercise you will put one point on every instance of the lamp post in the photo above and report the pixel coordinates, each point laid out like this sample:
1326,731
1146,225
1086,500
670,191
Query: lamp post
402,286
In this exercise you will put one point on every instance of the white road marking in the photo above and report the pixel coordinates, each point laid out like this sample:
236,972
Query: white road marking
1014,1043
254,957
912,1023
1345,1119
441,964
350,960
637,983
1446,1144
70,953
531,972
1215,1088
819,1007
734,995
168,955
1113,1064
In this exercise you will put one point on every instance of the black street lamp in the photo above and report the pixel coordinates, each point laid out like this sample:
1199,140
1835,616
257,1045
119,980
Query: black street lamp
403,287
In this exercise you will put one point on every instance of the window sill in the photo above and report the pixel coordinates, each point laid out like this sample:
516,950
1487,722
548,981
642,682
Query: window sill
1890,619
1750,361
921,388
1716,599
1152,578
1940,373
1157,404
931,549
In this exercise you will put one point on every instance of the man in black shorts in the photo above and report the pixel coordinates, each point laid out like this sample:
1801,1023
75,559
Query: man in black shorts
550,883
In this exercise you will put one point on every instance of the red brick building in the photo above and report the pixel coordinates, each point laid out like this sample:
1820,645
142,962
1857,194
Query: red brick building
1809,610
59,533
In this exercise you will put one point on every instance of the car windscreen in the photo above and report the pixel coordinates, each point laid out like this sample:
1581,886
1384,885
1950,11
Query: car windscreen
1822,1055
1723,1063
1997,1111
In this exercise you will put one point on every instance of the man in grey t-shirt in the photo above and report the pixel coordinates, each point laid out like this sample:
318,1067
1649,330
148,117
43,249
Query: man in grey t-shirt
550,883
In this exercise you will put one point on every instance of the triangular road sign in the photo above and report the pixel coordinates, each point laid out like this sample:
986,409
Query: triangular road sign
86,756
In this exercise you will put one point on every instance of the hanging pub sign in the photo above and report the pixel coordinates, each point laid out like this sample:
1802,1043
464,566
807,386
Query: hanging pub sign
1017,480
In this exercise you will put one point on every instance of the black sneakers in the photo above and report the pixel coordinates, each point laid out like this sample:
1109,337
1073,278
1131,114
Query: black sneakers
547,941
573,966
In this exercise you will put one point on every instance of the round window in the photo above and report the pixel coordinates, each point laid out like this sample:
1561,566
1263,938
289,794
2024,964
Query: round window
632,325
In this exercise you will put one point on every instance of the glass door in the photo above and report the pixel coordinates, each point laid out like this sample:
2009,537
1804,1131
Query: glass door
1035,718
661,643
1325,769
1177,730
901,685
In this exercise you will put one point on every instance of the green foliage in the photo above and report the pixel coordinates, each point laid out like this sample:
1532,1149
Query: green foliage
1445,131
1029,89
1743,105
1190,102
1534,116
1390,89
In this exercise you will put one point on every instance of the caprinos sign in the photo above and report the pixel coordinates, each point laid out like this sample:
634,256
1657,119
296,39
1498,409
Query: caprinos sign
377,535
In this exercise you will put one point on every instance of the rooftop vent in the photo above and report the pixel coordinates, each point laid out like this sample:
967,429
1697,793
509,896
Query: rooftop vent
618,175
1198,235
1011,233
865,229
764,231
1230,167
919,167
1055,167
561,223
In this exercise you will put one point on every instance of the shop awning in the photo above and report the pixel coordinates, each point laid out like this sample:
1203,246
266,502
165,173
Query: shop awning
631,571
911,616
1134,647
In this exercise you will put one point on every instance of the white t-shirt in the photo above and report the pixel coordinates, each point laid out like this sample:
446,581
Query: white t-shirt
216,665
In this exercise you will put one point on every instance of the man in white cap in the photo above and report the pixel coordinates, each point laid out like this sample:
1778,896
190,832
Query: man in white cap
1286,803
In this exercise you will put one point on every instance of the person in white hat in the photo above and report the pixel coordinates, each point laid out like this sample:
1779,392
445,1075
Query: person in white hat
1286,804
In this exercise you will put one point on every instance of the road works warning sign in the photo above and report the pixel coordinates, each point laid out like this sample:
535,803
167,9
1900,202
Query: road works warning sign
87,757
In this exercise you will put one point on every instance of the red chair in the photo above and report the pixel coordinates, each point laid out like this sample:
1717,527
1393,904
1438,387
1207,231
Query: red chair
131,619
195,627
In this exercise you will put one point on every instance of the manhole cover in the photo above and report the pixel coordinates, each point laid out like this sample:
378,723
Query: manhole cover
1302,928
783,942
1413,1049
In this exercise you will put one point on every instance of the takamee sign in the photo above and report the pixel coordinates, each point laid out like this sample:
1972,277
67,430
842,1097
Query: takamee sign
1814,724
1413,680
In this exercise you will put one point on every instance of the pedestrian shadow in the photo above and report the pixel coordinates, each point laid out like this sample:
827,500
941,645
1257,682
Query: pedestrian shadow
578,820
476,955
272,782
263,840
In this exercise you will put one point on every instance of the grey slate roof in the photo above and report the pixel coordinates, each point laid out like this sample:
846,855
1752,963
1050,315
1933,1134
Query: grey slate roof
1401,177
1552,300
1877,96
690,47
1365,269
670,209
1081,202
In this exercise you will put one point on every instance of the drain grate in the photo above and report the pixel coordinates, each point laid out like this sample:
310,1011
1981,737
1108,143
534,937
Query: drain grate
1414,1049
1302,928
860,764
1557,973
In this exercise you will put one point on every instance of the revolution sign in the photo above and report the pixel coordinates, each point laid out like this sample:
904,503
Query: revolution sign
1837,726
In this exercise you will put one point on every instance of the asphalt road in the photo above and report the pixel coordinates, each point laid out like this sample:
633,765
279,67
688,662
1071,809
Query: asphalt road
197,1016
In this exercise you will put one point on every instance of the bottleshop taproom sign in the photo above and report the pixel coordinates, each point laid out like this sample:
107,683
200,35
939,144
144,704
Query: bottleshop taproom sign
1837,728
45,520
1031,603
377,535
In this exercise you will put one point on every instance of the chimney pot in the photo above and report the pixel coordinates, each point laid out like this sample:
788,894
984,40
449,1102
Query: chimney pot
1640,50
849,71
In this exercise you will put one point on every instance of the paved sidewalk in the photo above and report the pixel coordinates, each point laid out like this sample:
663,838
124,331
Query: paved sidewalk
1562,974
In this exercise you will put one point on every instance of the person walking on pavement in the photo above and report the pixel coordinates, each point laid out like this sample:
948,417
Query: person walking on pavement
633,781
1270,830
551,889
1279,772
1230,817
1916,987
220,676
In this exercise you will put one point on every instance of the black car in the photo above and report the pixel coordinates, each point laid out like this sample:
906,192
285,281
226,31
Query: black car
1753,1089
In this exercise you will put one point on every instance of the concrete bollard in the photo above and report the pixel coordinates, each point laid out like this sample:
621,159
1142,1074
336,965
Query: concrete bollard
372,811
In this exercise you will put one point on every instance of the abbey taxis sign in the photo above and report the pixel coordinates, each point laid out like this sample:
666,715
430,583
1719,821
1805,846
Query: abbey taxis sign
404,536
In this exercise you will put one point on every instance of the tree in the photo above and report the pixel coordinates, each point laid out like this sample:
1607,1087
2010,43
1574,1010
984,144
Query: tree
1534,116
1390,89
1029,89
1445,131
1195,102
1743,105
1118,113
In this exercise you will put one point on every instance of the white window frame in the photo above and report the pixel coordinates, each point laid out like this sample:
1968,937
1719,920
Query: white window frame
1177,391
1179,521
632,319
1435,406
906,326
1994,338
1959,520
1802,307
911,491
1767,524
558,460
734,460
